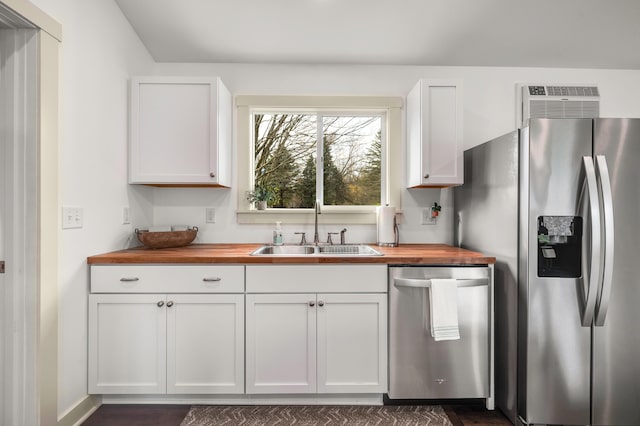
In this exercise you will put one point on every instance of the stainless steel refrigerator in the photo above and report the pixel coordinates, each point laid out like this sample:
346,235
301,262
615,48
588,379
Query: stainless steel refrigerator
558,204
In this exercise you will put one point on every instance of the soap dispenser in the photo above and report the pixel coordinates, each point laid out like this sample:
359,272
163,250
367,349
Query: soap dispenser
277,235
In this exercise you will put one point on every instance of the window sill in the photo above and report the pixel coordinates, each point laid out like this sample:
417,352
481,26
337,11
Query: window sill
366,216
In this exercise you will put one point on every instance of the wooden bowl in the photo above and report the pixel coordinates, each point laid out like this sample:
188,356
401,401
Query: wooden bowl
158,240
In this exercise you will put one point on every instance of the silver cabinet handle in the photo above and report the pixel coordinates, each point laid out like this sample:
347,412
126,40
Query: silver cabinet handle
129,279
420,283
312,303
160,304
426,176
320,303
212,174
607,211
169,304
211,279
594,275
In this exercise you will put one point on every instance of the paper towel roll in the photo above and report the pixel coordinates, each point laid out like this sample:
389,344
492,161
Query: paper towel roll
386,226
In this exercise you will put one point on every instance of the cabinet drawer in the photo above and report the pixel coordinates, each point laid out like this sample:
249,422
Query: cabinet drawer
316,278
167,279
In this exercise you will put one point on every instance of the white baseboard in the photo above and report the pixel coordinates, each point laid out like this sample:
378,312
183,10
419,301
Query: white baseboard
81,412
279,399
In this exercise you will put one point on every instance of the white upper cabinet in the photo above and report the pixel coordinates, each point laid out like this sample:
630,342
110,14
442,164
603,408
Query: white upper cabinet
434,134
180,132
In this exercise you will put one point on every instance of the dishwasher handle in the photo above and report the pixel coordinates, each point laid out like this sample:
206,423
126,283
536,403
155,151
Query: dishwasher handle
426,283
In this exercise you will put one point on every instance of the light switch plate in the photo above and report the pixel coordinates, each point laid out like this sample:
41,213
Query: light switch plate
72,217
210,214
126,215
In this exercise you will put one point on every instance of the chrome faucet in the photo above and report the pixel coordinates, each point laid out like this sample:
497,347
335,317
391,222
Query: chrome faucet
316,236
342,236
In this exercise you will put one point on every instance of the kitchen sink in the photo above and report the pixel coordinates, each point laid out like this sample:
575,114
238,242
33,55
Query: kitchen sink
321,250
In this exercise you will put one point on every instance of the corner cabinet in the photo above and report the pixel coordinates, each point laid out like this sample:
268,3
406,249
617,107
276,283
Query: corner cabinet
316,329
180,132
434,134
170,343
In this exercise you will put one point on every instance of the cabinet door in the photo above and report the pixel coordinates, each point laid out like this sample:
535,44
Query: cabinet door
205,343
434,134
127,343
352,343
180,131
281,343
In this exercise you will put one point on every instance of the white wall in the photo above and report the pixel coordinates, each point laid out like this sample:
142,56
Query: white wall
99,52
490,110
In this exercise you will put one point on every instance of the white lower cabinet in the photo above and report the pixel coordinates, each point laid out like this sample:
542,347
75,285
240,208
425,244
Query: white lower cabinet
178,329
205,344
166,343
352,343
316,343
281,343
127,343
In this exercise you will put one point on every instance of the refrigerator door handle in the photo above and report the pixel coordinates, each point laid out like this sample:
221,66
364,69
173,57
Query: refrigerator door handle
607,209
588,301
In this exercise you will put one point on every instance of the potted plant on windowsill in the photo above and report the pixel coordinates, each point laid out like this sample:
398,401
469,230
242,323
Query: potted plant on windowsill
260,196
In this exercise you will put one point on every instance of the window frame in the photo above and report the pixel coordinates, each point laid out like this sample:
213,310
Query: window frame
389,107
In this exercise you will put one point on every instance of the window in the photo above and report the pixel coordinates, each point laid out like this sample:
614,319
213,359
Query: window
341,151
334,158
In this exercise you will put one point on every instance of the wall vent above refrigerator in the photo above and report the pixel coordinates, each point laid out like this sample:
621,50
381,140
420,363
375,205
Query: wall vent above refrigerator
554,101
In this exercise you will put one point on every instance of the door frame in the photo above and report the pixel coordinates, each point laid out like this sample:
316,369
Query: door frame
30,130
19,122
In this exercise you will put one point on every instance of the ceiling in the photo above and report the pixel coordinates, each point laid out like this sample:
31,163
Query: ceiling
541,33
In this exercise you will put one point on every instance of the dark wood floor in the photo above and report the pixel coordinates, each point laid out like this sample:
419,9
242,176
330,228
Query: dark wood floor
138,415
172,415
473,414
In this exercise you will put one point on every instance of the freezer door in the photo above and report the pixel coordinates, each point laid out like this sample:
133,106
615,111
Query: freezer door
553,347
616,375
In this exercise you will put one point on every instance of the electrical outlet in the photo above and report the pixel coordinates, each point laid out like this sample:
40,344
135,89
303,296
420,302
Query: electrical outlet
126,217
210,214
427,217
72,217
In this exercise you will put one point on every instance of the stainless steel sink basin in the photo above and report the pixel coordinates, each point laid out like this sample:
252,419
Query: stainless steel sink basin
358,250
322,250
284,250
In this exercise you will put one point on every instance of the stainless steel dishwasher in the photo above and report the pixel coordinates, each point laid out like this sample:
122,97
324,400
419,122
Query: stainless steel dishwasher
419,366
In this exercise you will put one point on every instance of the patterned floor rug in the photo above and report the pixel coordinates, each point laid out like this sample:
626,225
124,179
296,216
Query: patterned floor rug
305,415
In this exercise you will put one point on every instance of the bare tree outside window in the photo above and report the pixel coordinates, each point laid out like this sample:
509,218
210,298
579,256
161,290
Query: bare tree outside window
286,152
283,142
352,154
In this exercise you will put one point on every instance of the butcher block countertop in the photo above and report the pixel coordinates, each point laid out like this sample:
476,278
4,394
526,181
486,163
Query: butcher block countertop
405,254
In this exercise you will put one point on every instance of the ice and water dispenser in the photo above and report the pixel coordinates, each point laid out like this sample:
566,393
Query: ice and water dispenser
560,246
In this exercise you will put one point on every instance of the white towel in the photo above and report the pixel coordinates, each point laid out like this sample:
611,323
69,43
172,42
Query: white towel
443,295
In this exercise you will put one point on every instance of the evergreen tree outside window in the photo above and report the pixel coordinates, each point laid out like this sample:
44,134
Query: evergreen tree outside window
288,147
